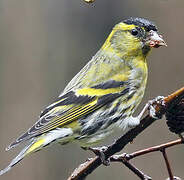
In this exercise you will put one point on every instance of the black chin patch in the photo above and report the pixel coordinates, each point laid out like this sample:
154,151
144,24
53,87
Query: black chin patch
148,25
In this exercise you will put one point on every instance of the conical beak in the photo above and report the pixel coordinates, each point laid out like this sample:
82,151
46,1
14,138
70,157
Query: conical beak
155,40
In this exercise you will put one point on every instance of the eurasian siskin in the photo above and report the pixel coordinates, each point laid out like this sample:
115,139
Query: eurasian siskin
102,96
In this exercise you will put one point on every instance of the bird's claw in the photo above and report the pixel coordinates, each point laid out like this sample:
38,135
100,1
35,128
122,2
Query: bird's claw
151,106
99,151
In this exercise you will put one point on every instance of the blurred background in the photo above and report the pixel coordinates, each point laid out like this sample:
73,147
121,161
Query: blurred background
44,43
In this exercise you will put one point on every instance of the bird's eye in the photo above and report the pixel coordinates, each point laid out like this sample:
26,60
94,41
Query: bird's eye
134,32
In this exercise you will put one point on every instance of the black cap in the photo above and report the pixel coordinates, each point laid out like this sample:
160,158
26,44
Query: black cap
148,25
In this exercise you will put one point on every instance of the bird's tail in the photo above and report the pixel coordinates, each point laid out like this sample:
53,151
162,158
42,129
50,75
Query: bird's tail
38,143
33,145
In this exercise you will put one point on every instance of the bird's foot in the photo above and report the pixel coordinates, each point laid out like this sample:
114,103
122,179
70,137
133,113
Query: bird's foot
99,151
152,104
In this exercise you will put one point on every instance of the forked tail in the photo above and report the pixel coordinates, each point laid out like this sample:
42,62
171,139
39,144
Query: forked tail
18,158
37,143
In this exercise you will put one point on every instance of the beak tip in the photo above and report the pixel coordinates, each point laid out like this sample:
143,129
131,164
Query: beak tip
163,43
156,40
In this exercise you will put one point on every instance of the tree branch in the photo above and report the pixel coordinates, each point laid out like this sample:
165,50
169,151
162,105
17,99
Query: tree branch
167,164
124,158
154,148
89,166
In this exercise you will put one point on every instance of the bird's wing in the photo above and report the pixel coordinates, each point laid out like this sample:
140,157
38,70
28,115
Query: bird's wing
74,105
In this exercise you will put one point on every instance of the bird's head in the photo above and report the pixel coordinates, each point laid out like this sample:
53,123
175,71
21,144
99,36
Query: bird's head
134,36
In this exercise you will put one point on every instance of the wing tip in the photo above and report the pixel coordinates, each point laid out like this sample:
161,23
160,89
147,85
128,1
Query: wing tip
17,142
8,148
12,145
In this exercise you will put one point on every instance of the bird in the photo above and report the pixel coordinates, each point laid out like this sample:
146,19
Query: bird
102,97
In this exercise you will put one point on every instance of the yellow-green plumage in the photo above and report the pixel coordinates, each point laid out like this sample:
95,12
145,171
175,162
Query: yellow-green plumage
102,96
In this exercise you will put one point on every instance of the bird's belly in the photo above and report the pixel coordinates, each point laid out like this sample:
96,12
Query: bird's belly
96,126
